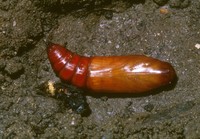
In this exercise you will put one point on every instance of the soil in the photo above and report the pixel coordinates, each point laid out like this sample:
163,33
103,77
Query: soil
165,29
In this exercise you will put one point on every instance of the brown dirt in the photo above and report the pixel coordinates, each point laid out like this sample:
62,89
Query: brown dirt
167,30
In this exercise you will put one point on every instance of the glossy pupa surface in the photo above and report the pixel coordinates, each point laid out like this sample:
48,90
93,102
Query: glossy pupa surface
110,74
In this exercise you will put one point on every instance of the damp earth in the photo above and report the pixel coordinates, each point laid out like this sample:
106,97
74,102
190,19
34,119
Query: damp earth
168,30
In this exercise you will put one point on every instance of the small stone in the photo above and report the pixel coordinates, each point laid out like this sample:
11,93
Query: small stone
197,46
14,68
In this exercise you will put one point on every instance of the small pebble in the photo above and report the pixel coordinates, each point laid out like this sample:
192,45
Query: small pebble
164,10
197,46
14,68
